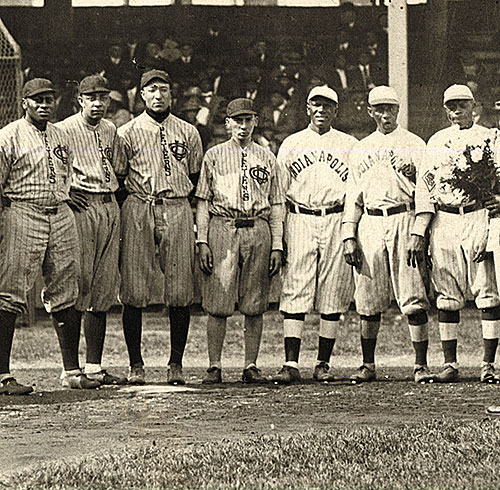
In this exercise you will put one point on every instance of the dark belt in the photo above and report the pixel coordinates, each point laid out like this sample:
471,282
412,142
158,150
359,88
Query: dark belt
390,211
244,222
295,208
6,202
468,208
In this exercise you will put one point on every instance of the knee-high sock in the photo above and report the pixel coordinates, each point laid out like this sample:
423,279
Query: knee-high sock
132,331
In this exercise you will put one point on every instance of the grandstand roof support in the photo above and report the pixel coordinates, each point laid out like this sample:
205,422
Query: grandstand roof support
397,16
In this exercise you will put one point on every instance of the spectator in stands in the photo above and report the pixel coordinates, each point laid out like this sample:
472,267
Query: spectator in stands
376,52
277,119
345,47
117,113
115,67
253,92
367,72
185,69
344,77
348,23
170,51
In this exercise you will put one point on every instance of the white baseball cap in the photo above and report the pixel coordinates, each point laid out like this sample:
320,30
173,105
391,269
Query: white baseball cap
383,95
457,92
323,91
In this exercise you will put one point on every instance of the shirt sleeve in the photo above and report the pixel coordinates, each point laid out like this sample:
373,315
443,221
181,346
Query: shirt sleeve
204,187
282,168
122,152
6,155
277,195
196,152
353,206
426,180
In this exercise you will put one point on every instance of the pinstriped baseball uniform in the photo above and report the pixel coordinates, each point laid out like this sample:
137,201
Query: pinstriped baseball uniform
239,183
38,227
454,238
157,159
382,177
99,225
315,170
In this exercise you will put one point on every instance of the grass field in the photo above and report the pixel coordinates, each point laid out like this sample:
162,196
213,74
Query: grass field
388,434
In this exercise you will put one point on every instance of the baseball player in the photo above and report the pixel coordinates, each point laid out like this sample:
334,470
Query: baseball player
239,220
38,231
161,158
314,167
458,235
377,226
97,217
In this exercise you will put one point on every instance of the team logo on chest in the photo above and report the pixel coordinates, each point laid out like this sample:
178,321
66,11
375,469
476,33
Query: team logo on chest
62,153
260,174
179,149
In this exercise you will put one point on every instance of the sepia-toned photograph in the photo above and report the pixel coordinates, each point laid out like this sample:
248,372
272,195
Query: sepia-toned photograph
249,244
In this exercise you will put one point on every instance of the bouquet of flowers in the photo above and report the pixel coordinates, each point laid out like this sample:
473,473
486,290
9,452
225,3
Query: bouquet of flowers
474,173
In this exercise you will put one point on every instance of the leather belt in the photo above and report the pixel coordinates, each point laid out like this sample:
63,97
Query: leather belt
295,208
468,208
401,208
244,222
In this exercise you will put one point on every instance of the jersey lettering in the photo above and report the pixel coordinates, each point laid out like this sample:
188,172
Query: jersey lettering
306,160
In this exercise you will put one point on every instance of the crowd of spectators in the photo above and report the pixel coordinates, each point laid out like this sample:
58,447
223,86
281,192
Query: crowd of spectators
208,72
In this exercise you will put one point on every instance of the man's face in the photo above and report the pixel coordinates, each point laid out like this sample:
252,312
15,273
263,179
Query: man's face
157,96
241,127
385,116
460,112
39,107
321,112
94,106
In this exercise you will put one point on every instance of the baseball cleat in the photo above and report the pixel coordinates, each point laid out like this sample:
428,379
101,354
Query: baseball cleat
174,375
213,376
488,374
78,382
9,386
253,375
322,372
106,378
363,375
423,375
286,375
448,375
136,376
493,410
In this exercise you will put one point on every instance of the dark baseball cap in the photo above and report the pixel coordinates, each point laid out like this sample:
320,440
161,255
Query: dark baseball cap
152,74
93,84
237,107
37,86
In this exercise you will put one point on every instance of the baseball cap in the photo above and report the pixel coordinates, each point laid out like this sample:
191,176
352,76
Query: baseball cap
240,106
152,74
383,95
457,92
92,84
497,105
37,86
323,91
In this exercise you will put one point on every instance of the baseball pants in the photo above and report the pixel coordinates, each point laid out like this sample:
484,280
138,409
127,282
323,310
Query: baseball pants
150,231
35,237
99,234
454,239
384,242
240,268
316,274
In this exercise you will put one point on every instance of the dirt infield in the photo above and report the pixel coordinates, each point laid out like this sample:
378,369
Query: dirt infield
53,425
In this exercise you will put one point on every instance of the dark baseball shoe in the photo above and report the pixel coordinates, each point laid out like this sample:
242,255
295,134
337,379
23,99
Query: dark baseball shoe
213,376
106,378
423,375
448,375
286,375
364,374
252,375
488,374
78,382
493,410
10,386
322,373
174,375
136,376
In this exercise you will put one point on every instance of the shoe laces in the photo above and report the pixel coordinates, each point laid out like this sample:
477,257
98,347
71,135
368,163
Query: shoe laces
323,365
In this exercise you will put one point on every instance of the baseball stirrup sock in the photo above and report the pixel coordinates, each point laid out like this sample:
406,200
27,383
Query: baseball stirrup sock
179,328
67,326
132,331
94,328
292,349
7,328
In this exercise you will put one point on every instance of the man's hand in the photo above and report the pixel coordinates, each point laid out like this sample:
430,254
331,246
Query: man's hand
492,204
352,253
479,248
275,261
206,259
417,250
79,201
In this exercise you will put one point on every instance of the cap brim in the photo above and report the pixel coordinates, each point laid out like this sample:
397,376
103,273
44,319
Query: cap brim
457,98
96,90
41,91
384,101
241,113
315,96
